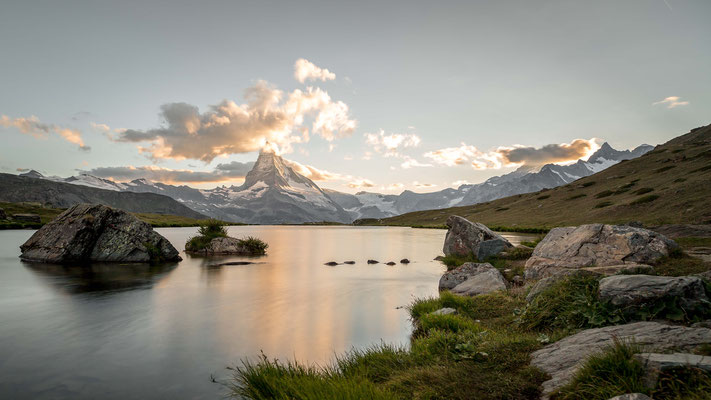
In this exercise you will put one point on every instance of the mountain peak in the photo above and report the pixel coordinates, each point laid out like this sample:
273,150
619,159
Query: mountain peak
32,174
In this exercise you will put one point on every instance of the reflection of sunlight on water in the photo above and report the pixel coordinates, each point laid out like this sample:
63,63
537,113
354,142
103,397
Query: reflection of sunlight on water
172,328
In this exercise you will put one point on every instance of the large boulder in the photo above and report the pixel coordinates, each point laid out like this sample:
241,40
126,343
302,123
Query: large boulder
471,279
465,237
596,245
562,359
630,291
97,233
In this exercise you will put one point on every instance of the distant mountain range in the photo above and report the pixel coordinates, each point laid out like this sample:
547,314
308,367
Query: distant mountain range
274,193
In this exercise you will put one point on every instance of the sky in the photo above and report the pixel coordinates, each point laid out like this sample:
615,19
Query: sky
380,96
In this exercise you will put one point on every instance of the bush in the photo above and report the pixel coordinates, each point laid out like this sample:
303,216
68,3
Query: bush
645,199
213,228
254,245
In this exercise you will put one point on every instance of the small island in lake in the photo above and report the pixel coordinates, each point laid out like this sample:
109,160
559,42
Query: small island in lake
212,239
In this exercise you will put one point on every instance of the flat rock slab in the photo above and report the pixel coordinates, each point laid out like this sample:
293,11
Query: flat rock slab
631,290
596,245
654,363
465,237
97,233
563,358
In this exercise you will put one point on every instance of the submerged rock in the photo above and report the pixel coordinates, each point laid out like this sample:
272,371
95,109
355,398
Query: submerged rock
373,262
640,290
563,358
404,261
596,245
331,263
97,233
349,262
465,237
391,263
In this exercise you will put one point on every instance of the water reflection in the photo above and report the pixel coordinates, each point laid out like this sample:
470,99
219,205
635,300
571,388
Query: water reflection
100,278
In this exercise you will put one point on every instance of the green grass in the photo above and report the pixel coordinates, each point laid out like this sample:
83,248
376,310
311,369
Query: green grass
679,263
47,214
613,371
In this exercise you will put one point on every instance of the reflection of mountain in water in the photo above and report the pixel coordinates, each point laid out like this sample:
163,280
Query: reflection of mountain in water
101,278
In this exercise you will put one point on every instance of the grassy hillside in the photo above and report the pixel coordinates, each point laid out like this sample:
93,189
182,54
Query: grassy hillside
671,184
47,214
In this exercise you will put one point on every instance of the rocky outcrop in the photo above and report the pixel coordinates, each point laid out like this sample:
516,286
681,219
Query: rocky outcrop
471,279
226,246
563,358
465,237
596,245
654,363
630,291
96,233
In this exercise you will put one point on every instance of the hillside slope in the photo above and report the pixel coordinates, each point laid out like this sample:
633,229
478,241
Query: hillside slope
671,184
16,189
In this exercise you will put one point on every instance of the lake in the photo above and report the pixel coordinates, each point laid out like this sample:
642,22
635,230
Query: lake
147,332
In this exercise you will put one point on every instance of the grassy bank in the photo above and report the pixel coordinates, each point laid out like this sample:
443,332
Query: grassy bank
666,186
47,214
483,350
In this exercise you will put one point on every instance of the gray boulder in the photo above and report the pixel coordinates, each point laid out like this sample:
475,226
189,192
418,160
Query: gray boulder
97,233
452,278
465,237
596,245
563,358
654,363
638,290
485,282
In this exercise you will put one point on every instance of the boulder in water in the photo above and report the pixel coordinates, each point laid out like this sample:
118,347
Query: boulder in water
97,233
465,237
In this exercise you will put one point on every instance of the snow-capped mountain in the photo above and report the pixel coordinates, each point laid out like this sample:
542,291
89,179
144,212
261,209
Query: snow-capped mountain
274,193
525,179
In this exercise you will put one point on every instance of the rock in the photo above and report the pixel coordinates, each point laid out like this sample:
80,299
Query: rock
231,263
654,363
31,218
390,263
623,269
331,263
2,214
704,275
224,246
517,280
595,245
349,262
702,324
487,281
465,237
444,311
452,278
373,262
630,291
404,261
97,233
631,396
702,253
563,358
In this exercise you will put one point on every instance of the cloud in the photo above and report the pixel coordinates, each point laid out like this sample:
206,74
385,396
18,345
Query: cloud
221,173
22,169
314,173
33,126
411,162
423,185
229,128
361,184
389,145
394,186
672,102
515,155
306,70
100,127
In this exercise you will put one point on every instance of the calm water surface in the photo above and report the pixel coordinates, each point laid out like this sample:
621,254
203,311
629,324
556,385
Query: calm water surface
141,332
